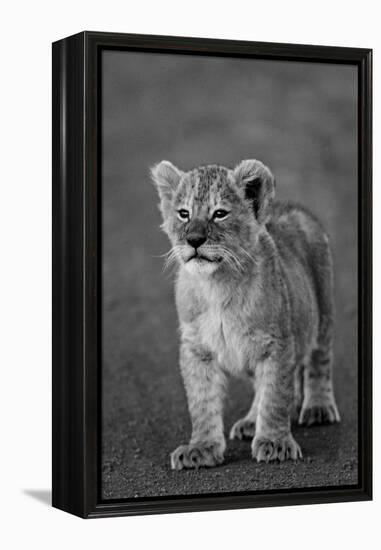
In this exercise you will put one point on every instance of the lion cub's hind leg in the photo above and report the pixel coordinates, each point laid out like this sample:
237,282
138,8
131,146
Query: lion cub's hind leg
298,392
244,428
319,405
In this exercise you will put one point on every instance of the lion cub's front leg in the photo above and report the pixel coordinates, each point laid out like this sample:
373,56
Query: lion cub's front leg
205,387
273,439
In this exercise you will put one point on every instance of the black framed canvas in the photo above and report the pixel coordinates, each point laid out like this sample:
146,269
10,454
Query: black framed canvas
235,370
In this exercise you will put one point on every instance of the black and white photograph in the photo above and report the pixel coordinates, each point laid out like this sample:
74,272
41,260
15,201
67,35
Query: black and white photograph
229,275
188,255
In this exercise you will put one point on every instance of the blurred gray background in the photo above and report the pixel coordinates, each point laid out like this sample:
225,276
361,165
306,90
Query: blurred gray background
301,120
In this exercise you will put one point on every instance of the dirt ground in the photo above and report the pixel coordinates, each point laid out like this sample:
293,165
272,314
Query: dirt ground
300,119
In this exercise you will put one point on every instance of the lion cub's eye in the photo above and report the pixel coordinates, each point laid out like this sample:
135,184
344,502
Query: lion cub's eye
220,214
183,214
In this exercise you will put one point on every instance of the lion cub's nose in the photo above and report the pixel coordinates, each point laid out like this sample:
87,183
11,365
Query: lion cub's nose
196,239
197,233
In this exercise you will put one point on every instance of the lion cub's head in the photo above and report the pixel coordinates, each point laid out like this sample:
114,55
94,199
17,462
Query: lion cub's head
212,214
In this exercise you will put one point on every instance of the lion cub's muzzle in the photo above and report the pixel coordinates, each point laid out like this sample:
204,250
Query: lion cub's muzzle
196,233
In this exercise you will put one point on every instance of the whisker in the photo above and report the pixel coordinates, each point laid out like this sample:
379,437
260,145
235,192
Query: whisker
234,260
226,254
247,254
172,256
231,259
161,255
228,260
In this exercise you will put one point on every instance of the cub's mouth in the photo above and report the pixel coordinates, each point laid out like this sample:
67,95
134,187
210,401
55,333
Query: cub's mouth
201,258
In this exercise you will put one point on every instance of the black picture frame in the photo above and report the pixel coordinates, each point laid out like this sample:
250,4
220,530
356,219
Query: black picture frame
77,272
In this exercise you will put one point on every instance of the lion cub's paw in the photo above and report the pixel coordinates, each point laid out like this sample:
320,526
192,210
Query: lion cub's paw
243,429
267,450
197,455
319,413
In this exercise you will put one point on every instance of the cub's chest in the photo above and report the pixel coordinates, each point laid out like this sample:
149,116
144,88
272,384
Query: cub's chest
221,330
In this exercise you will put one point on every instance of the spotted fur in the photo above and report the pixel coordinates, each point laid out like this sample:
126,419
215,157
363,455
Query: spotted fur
254,298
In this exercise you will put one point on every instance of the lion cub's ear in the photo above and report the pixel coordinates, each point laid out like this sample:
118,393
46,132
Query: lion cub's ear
259,186
166,178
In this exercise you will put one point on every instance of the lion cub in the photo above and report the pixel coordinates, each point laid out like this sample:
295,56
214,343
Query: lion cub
254,297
